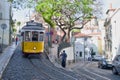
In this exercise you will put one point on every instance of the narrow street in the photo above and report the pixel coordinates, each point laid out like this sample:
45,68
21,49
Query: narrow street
39,67
36,67
90,70
69,35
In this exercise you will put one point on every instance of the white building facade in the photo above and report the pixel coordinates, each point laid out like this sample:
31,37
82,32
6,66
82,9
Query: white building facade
90,38
5,19
112,33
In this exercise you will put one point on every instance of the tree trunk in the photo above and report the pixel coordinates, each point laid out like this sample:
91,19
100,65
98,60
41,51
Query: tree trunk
63,38
68,36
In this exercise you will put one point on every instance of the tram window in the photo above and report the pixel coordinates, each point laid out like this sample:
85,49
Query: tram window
22,34
27,36
41,36
34,36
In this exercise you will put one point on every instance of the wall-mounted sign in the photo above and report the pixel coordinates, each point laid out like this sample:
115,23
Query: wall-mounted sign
3,26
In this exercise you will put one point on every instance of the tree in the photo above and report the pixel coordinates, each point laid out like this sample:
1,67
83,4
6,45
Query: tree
18,24
22,4
64,13
46,9
75,11
10,1
14,29
12,23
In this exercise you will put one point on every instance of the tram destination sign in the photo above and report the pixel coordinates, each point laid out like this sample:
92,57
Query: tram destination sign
34,24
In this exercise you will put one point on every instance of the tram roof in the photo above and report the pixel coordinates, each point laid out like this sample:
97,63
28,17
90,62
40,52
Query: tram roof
31,25
33,28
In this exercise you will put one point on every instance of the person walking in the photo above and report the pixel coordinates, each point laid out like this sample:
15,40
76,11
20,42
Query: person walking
63,55
16,40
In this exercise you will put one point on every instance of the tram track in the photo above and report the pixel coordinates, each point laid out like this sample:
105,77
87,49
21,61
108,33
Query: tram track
62,73
78,76
49,71
45,67
39,70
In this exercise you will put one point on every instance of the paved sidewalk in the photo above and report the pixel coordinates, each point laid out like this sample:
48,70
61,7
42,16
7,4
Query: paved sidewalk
5,57
53,55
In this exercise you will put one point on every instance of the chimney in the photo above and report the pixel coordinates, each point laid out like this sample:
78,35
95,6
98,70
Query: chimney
110,7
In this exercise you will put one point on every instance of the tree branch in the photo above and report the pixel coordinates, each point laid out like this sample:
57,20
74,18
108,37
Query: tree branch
85,22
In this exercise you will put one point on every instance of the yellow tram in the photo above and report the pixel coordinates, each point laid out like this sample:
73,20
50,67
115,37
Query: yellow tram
32,38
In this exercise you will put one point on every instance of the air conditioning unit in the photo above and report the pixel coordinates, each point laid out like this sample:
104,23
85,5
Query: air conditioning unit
0,15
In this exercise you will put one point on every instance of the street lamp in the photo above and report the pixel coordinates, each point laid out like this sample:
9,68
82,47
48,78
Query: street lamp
3,26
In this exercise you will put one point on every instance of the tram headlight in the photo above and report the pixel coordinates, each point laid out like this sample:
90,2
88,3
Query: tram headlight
34,48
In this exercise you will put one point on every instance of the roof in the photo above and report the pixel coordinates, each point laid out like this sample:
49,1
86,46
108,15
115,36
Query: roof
77,35
110,10
115,12
32,28
97,33
80,35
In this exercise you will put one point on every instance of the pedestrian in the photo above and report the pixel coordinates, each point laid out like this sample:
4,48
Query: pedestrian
56,41
16,40
63,56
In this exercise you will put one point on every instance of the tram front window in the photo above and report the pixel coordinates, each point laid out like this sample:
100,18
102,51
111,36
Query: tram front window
34,36
27,36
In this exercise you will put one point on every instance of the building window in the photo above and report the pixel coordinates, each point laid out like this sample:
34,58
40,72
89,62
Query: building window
80,53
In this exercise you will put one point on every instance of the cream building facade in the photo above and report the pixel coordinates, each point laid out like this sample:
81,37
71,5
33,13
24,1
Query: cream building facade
5,19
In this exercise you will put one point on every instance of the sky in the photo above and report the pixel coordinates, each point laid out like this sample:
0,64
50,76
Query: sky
106,5
115,3
21,15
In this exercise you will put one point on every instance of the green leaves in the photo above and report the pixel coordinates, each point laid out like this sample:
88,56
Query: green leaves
18,23
69,11
10,1
47,9
23,4
14,29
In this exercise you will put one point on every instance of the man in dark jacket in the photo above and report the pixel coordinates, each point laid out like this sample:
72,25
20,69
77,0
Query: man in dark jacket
64,56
